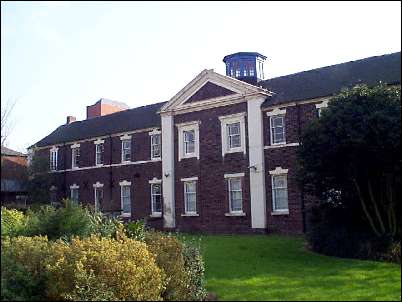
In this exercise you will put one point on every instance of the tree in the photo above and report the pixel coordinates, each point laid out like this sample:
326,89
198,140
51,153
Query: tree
6,122
350,157
39,179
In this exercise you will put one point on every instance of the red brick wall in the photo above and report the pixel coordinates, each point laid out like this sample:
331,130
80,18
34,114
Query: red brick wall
100,109
212,200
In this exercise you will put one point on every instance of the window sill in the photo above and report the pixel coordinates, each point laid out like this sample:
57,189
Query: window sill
125,215
156,215
189,156
235,214
156,158
284,212
190,215
281,145
235,150
99,165
126,162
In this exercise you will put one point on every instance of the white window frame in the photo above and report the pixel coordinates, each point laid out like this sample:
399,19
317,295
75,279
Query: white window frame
279,172
53,159
231,119
229,182
192,126
321,106
274,114
125,138
186,181
74,150
125,184
74,188
97,186
152,135
155,213
97,152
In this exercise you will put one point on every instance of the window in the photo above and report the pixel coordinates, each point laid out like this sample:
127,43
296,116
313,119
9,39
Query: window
53,159
251,72
74,196
190,197
245,72
234,139
235,195
231,72
75,156
99,154
156,199
188,134
125,199
237,73
279,192
188,138
155,146
277,129
98,197
233,133
126,150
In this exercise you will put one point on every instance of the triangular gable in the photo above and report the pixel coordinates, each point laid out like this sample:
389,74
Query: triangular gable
208,91
208,87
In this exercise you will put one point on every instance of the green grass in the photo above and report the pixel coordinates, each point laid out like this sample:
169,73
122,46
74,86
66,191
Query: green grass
258,267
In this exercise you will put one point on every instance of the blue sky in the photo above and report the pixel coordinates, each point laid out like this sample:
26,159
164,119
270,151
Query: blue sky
59,57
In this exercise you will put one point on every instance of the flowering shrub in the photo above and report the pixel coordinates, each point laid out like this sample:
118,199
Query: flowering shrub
118,269
12,222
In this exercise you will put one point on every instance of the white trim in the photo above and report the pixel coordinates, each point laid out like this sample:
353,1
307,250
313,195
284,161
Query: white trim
190,126
156,215
271,136
155,181
278,171
75,146
125,137
231,119
190,214
168,183
54,148
99,141
276,111
74,186
233,175
186,212
279,212
151,135
125,183
282,146
257,160
154,132
231,214
195,178
323,104
97,185
73,155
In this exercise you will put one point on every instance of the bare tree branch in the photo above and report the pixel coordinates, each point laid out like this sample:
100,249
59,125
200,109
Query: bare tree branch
6,122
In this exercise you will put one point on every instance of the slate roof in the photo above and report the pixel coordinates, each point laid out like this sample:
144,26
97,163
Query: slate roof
330,80
122,121
8,152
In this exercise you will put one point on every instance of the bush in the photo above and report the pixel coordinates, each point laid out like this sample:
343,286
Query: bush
12,222
104,267
102,225
194,267
136,230
169,257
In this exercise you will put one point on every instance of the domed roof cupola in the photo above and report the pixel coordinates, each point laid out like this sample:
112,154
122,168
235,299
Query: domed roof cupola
245,66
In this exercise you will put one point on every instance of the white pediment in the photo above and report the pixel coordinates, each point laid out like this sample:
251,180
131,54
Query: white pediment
233,91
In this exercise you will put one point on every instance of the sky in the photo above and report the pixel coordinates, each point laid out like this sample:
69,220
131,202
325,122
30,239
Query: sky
59,57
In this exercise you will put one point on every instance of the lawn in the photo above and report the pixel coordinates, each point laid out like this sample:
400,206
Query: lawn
259,267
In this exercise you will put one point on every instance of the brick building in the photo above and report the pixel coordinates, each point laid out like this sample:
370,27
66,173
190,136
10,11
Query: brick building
220,156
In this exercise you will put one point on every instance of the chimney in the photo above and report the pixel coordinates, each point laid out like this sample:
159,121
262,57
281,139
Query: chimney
105,107
70,119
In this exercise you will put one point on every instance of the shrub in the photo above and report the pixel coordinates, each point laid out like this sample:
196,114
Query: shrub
194,267
12,222
102,225
104,267
169,257
17,283
136,230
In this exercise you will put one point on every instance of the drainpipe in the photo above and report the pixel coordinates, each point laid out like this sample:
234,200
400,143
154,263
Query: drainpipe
302,186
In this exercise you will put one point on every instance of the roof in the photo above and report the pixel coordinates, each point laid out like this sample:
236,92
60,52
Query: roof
122,121
8,152
246,54
330,80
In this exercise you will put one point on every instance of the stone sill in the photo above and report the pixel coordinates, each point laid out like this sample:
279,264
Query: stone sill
275,213
190,215
281,146
155,215
235,214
